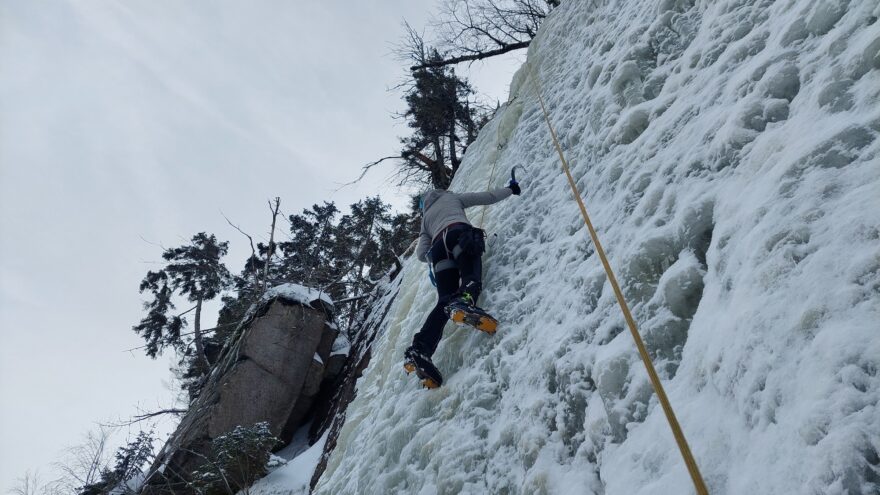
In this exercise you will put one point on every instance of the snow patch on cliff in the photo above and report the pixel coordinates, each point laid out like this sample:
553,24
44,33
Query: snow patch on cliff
297,293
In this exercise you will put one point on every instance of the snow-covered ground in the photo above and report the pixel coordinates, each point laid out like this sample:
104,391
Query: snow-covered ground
728,154
295,465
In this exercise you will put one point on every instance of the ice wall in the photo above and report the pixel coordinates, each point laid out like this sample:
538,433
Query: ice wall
728,154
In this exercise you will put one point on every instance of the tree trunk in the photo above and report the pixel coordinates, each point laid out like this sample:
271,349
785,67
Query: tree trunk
439,175
471,57
360,279
197,338
453,159
271,248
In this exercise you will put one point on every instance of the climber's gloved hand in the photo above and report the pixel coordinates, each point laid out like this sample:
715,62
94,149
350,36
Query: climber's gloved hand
514,187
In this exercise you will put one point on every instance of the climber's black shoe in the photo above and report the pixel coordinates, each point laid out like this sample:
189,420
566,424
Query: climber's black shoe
424,368
462,310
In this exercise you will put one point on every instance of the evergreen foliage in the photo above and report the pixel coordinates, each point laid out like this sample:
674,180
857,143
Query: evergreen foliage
134,456
308,256
130,461
445,121
237,459
195,272
358,242
158,328
342,255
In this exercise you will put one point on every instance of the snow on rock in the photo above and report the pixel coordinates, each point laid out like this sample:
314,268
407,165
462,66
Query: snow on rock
297,293
728,154
293,477
292,293
341,346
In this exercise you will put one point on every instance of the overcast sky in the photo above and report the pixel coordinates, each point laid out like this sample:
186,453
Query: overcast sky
129,124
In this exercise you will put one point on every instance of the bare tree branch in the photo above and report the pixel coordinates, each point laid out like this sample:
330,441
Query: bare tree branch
204,330
185,312
84,462
143,417
366,168
32,484
471,30
474,57
270,250
250,239
152,243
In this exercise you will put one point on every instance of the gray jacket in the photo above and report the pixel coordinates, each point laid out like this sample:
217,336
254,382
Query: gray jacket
443,208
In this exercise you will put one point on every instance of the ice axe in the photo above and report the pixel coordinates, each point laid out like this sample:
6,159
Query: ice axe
513,175
513,181
514,184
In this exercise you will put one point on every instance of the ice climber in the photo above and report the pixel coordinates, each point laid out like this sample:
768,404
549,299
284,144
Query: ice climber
453,248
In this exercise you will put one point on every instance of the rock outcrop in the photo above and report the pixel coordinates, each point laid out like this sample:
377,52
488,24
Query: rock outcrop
271,371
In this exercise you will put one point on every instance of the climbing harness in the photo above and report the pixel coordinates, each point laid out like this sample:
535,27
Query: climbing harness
431,270
677,432
475,244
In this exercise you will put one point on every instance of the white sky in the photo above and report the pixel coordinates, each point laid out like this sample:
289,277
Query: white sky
135,121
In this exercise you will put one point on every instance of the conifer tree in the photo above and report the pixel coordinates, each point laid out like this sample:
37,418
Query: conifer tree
444,123
193,271
246,287
158,328
358,240
342,256
444,118
401,232
358,246
237,459
132,457
308,257
130,460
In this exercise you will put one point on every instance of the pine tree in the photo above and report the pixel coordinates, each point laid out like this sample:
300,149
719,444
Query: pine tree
444,123
402,231
308,258
237,459
130,460
343,258
193,271
158,328
246,287
358,237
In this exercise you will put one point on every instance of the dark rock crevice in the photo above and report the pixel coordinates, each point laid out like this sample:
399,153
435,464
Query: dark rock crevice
331,416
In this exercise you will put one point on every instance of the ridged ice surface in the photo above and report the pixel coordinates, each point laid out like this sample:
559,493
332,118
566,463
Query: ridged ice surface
728,153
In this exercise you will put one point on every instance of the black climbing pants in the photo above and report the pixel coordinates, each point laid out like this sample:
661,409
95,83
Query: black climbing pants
458,267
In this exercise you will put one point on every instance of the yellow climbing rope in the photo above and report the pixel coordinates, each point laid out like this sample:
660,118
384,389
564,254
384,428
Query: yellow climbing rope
646,359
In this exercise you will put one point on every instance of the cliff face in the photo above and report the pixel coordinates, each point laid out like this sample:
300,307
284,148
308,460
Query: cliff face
272,372
728,154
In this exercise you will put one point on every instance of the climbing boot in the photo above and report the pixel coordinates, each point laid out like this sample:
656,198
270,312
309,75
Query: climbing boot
415,361
463,311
